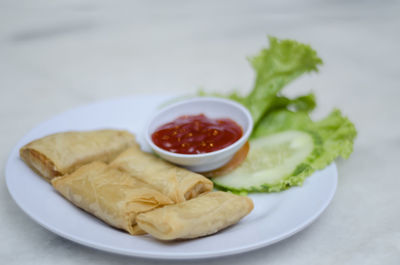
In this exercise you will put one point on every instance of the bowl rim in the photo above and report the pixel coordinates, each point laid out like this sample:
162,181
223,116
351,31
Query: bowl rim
239,142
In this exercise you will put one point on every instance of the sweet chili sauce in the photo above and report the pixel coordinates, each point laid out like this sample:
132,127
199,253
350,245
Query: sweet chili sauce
196,134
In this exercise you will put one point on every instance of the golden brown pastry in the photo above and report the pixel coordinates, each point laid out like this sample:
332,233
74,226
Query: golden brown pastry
109,194
204,215
62,153
177,183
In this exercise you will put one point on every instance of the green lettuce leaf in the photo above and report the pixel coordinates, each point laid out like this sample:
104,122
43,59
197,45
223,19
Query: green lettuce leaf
275,67
305,103
272,112
337,133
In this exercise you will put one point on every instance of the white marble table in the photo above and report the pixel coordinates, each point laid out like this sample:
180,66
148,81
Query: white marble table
55,55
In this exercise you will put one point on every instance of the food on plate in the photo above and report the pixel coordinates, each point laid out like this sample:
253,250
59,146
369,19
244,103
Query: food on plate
286,145
111,195
107,174
62,153
196,134
201,216
177,183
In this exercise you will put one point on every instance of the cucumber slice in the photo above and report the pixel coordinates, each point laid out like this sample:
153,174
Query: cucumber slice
270,163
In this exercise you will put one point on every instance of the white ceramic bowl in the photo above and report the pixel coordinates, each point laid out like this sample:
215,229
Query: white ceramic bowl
212,108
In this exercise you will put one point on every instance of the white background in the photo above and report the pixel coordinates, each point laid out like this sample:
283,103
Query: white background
56,55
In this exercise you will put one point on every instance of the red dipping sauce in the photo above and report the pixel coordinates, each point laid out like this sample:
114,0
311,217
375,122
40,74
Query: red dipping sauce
196,134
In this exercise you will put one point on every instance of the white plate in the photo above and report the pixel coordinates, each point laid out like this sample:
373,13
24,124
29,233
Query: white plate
275,216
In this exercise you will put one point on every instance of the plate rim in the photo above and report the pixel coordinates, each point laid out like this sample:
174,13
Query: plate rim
147,254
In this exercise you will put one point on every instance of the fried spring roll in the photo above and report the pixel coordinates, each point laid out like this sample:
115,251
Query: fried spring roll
62,153
204,215
177,183
111,195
